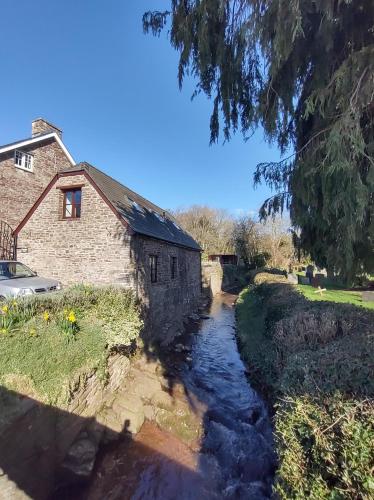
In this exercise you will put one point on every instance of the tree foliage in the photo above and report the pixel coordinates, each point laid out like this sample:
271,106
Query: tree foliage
304,71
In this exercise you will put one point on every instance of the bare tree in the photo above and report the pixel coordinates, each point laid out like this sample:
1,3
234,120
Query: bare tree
247,240
277,242
210,227
257,244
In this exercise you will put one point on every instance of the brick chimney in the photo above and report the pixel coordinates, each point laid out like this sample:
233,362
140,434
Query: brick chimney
41,127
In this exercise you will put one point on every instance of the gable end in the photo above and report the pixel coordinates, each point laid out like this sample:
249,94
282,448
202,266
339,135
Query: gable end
35,140
53,182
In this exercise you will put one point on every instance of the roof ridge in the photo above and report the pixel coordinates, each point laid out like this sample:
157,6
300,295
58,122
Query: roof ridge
23,140
32,140
89,165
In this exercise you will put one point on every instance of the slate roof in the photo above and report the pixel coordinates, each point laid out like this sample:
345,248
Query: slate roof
40,137
15,142
35,139
143,216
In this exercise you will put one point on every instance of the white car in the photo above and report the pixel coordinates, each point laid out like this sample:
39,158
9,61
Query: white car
17,280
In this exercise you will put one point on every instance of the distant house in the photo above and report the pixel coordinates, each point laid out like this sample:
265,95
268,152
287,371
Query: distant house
83,226
224,259
26,167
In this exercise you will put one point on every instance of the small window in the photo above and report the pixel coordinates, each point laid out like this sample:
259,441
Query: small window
72,204
24,161
153,266
173,267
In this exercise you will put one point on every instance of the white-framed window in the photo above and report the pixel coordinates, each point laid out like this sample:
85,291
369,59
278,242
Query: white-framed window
25,161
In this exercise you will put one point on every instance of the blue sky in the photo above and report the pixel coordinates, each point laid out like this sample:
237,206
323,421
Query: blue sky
86,66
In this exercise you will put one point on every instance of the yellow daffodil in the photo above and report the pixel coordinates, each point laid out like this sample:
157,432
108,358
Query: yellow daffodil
14,303
5,309
46,316
72,317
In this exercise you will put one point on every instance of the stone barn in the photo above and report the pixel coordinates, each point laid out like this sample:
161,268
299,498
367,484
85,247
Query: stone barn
85,227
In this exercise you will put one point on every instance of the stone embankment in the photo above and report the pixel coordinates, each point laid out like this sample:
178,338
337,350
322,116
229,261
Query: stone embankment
145,394
62,443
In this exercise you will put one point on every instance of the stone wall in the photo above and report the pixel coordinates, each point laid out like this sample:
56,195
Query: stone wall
227,278
212,275
42,446
168,301
92,249
20,189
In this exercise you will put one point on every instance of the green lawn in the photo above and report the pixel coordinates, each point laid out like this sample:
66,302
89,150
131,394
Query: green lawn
46,342
335,295
41,364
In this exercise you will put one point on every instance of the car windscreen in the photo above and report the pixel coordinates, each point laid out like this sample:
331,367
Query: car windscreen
13,270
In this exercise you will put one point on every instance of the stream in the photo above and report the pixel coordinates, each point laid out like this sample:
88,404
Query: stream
233,456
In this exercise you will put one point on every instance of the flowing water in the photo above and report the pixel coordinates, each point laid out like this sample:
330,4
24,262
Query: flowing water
233,457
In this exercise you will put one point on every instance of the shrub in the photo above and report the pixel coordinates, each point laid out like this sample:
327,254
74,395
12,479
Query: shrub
314,360
265,277
119,314
325,447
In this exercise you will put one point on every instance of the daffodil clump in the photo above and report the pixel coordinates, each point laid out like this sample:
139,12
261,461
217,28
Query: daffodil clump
13,317
46,340
115,309
6,319
68,324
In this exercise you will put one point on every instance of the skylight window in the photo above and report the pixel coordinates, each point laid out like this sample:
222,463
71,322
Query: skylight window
159,217
137,206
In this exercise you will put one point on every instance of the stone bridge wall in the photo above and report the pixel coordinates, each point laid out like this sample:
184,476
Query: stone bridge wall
217,278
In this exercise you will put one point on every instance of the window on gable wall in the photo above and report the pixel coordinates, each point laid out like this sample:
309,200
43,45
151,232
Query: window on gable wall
173,267
24,161
72,203
153,267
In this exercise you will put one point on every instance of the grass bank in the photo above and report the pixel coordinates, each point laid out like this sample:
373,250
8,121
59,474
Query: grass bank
337,295
314,362
45,341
